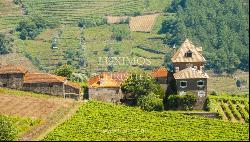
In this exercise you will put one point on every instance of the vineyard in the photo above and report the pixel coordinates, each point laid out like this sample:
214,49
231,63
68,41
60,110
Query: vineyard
71,11
96,40
100,121
235,109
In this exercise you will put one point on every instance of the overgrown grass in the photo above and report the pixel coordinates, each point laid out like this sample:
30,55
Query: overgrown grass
24,93
23,124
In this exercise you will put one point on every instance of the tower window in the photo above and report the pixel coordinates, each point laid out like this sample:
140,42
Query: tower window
189,54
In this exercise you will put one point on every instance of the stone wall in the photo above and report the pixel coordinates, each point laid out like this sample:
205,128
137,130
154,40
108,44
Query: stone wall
45,88
13,81
70,89
105,94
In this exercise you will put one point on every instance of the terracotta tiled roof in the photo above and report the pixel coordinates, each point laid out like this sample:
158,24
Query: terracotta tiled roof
107,80
12,69
43,78
73,84
142,23
116,19
160,72
190,73
179,56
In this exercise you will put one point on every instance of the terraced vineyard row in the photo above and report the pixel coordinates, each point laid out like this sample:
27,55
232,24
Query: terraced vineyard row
69,11
231,109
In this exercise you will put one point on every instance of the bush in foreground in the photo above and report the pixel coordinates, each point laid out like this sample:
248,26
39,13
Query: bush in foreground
185,102
150,102
7,130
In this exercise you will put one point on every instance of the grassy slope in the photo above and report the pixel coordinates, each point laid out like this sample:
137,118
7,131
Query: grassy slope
100,121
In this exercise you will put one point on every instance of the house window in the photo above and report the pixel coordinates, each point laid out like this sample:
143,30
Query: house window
189,54
183,84
201,93
200,83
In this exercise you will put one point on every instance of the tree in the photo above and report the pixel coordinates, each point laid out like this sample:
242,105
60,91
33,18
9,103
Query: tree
219,27
120,33
5,46
138,84
64,70
8,131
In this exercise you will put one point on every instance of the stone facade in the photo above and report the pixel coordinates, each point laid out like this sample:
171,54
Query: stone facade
13,81
199,91
70,89
15,77
45,88
113,95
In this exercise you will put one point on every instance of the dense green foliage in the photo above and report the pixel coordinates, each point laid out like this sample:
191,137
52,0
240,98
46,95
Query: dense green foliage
92,21
8,131
150,102
5,44
64,70
138,84
219,26
120,33
12,127
181,102
101,121
30,28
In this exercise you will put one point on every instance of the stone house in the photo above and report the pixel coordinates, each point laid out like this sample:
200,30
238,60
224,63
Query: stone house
12,76
188,75
107,87
49,84
16,77
192,80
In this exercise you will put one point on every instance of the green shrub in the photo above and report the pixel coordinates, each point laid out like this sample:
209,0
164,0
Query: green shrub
30,28
188,101
7,130
159,91
120,33
93,21
64,70
150,102
185,102
5,44
214,93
